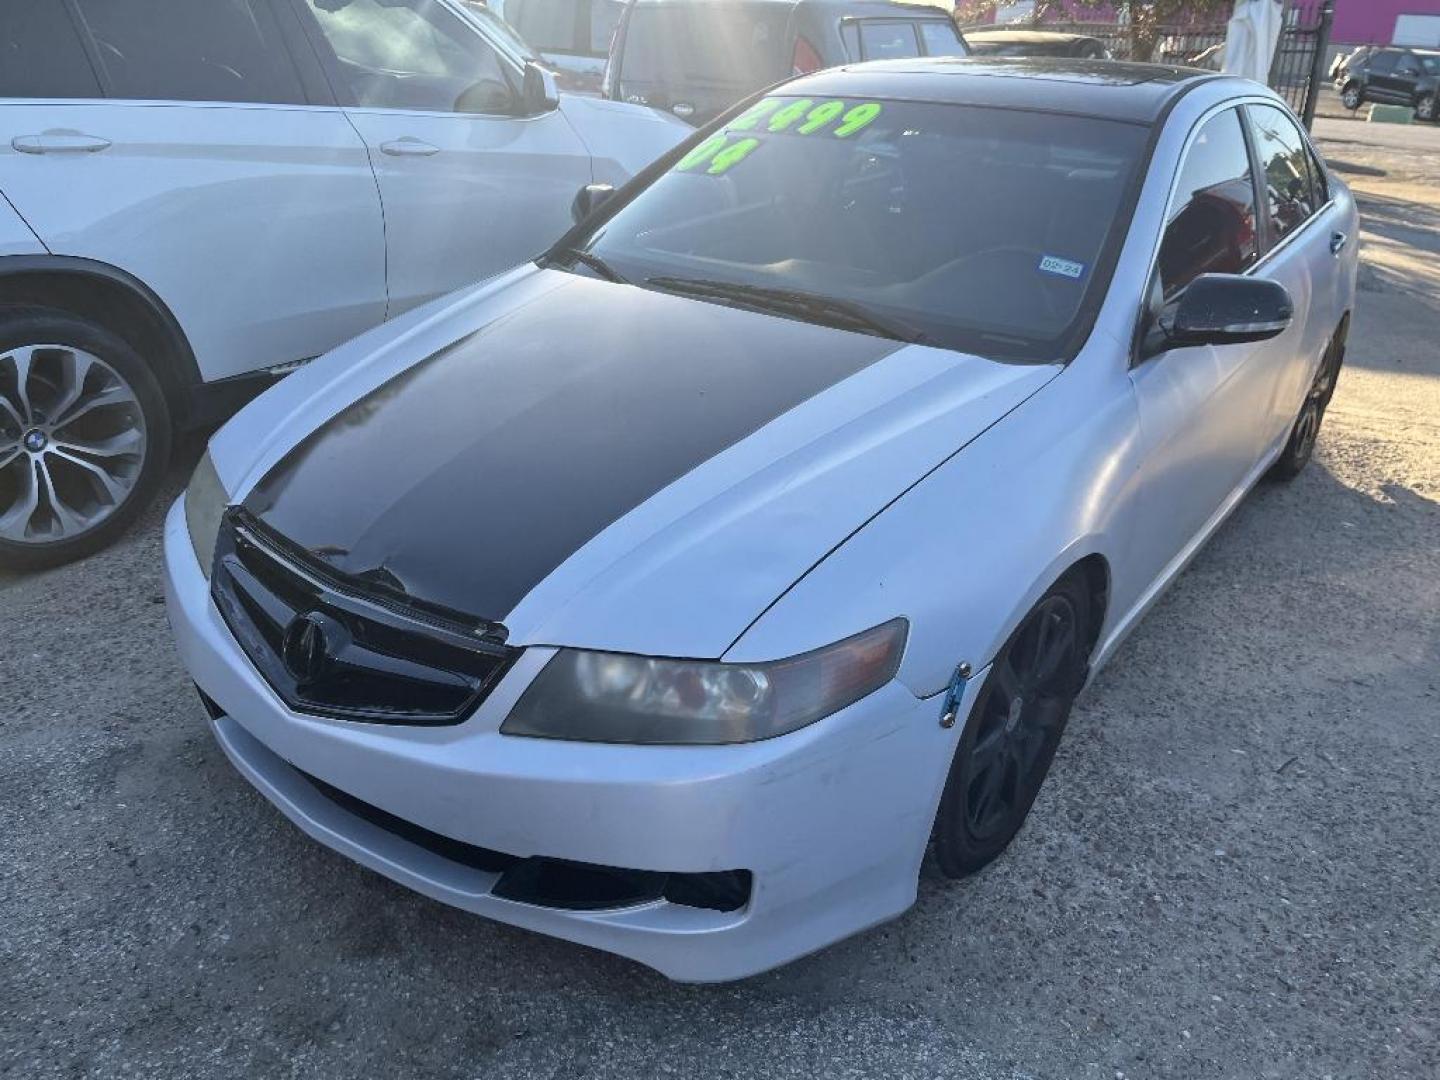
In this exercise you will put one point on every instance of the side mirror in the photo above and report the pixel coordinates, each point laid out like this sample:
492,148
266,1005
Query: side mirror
1220,309
589,199
538,93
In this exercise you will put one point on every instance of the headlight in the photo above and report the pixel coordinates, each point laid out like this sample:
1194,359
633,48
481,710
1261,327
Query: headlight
617,698
205,502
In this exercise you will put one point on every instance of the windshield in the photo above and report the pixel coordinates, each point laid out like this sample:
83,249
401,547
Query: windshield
972,228
1431,64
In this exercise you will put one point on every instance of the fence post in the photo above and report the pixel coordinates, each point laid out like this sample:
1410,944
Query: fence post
1317,62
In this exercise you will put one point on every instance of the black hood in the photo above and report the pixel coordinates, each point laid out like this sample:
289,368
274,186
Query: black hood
470,476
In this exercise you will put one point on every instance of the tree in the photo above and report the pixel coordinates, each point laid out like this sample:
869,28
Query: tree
1147,19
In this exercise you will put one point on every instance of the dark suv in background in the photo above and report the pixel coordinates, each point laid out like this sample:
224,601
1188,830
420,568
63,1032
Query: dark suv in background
696,58
1394,77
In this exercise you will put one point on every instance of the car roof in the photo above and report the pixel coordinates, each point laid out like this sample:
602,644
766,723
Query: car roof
1137,93
1006,35
893,8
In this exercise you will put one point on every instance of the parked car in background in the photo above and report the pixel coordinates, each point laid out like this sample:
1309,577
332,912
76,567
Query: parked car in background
1344,60
319,166
573,36
1394,77
1008,41
696,58
675,594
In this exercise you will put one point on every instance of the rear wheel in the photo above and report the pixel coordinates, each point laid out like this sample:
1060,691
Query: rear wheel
1425,108
1013,730
1351,97
1301,445
84,436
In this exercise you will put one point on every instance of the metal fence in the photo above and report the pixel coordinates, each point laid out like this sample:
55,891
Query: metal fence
1296,74
1298,70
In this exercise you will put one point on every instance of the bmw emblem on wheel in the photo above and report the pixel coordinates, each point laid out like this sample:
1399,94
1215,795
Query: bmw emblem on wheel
306,647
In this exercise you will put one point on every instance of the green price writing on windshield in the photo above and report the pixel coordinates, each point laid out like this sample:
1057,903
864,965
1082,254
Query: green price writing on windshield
784,116
719,153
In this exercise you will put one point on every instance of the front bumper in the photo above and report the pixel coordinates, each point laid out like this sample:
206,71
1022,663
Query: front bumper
832,820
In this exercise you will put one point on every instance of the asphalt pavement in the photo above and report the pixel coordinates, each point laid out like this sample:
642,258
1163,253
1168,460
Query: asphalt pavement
1233,870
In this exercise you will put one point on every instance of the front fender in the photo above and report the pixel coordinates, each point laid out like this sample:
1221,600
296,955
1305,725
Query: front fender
16,238
967,551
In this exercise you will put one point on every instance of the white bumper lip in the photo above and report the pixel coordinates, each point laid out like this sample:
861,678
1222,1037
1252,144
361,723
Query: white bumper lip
831,820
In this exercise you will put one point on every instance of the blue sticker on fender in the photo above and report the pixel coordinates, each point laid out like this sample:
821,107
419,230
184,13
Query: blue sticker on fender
1053,264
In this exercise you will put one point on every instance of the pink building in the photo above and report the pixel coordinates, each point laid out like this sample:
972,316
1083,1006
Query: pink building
1380,22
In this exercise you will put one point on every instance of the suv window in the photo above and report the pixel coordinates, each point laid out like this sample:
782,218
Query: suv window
180,50
727,48
941,38
1285,167
41,55
1382,63
412,54
1211,227
580,28
887,40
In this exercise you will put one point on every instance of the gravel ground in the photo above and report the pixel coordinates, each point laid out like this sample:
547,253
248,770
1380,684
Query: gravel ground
1232,871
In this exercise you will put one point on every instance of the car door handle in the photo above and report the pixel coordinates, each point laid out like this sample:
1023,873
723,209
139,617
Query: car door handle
408,147
59,142
1337,242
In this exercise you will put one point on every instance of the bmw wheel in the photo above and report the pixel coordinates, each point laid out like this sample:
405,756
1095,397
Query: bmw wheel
1013,730
84,437
1351,97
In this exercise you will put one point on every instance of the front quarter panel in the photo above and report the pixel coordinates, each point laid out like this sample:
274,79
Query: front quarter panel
15,236
970,548
622,138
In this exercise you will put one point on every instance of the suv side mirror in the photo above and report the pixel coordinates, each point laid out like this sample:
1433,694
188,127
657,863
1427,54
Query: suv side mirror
1220,309
538,93
589,199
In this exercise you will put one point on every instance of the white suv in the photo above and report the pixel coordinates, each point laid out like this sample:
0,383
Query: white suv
195,194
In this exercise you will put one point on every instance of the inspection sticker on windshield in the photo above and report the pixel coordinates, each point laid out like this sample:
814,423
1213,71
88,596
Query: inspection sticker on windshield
1053,264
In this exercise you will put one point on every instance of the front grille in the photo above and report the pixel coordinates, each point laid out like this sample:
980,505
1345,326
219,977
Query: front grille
333,646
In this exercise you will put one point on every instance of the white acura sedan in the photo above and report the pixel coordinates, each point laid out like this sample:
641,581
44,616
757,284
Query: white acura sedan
676,593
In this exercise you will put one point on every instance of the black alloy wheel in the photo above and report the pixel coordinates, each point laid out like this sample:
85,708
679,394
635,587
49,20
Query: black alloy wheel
1013,730
1351,97
1301,445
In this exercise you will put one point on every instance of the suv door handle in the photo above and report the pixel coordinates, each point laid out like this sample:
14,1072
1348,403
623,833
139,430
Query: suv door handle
59,142
409,146
1337,242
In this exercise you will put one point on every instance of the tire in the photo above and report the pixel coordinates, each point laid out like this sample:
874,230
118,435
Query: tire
1352,97
1300,447
1013,731
1425,109
84,437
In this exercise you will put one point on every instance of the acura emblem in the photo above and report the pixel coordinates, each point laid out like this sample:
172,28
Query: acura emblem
306,648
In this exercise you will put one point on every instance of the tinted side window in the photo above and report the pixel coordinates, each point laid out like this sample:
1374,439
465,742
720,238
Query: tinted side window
1211,227
40,53
1381,63
413,54
1285,164
218,50
941,38
884,40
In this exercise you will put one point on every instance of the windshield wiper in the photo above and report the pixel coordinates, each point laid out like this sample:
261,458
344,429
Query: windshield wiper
829,310
590,259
